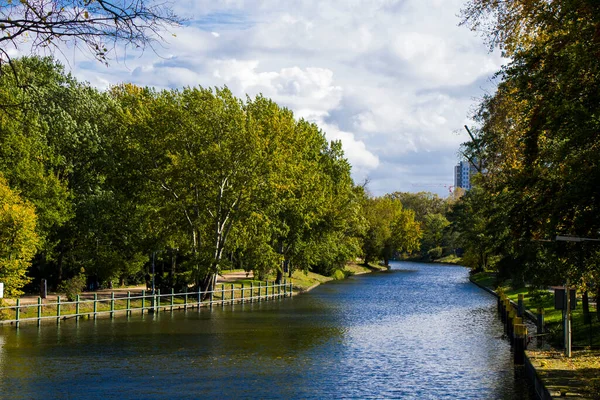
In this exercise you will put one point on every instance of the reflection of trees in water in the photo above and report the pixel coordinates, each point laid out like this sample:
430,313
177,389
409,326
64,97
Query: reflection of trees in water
1,359
276,334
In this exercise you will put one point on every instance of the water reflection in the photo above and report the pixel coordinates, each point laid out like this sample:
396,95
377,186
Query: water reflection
1,358
415,332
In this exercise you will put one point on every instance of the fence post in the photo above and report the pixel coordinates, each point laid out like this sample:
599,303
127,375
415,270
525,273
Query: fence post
251,292
540,327
291,289
259,291
284,288
95,304
222,295
520,306
266,290
143,301
540,321
157,300
172,298
77,308
520,344
232,294
510,324
57,309
212,291
17,313
112,304
242,292
200,297
128,312
185,300
39,309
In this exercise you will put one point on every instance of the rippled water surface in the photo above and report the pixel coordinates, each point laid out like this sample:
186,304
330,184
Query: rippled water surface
418,331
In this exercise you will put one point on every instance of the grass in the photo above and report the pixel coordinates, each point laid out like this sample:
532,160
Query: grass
451,259
534,299
303,281
355,269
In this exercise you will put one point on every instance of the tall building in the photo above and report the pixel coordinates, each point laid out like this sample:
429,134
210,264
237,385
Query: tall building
463,173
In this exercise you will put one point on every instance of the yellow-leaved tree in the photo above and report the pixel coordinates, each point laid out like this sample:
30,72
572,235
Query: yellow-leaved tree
18,239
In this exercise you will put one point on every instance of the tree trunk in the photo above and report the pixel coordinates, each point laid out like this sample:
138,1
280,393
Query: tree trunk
279,278
60,267
208,284
585,303
173,265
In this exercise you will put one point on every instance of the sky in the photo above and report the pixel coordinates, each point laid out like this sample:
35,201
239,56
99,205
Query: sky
394,80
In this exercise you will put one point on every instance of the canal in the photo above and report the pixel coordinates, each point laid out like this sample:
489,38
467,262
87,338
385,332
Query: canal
418,332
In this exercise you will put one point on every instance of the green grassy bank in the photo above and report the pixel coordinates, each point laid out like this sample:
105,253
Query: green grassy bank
584,334
576,377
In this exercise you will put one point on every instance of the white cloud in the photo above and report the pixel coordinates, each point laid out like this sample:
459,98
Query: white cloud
392,79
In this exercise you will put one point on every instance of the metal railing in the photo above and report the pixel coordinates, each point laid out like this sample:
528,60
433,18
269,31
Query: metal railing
145,302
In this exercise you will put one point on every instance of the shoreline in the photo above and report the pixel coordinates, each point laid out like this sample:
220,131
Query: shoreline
551,374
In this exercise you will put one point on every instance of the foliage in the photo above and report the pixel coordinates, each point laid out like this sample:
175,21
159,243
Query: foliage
434,253
338,275
184,183
18,239
537,136
391,229
73,286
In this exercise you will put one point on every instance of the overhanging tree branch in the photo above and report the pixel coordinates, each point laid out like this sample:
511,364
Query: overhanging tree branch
98,25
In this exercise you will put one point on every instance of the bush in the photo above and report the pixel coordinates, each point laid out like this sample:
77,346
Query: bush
434,253
72,287
338,275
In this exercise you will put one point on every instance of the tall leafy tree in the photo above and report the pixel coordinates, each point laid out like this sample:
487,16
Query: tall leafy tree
391,229
18,239
538,132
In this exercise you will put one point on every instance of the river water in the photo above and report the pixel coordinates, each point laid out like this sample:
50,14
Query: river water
416,332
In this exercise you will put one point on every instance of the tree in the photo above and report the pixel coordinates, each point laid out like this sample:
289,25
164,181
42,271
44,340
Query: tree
391,229
18,239
538,132
434,235
98,25
422,203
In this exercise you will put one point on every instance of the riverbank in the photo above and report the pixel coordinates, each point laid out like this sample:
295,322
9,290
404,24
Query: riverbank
304,281
577,377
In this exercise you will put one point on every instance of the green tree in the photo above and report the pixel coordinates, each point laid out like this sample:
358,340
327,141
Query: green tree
391,229
434,234
537,133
